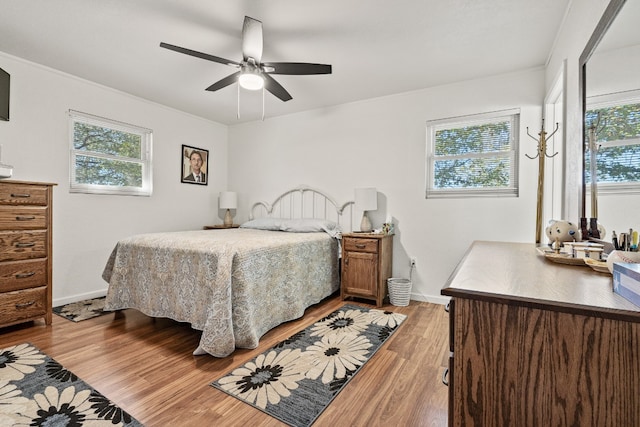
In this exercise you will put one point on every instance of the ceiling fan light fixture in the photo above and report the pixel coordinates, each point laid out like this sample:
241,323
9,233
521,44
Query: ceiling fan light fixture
253,74
251,80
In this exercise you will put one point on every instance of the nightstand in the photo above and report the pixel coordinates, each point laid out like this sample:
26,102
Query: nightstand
366,265
219,226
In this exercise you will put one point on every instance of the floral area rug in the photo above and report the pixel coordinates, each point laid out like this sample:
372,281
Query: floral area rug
82,310
35,390
297,379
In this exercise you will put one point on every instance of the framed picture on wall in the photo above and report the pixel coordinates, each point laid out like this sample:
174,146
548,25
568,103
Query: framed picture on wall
194,164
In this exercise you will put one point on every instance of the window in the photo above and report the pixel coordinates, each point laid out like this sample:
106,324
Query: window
473,155
109,157
615,127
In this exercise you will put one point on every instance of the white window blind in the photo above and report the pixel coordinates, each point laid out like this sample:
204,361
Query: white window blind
109,157
473,155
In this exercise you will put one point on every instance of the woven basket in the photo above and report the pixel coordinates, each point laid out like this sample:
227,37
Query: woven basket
399,291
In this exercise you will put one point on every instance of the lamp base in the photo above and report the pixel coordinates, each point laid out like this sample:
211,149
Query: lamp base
228,219
365,224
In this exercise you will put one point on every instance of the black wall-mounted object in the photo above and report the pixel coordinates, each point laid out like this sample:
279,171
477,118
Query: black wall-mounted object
4,95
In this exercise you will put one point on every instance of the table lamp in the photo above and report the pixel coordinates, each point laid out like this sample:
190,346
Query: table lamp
366,200
228,201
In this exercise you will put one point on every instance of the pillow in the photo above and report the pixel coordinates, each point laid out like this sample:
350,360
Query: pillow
302,225
272,224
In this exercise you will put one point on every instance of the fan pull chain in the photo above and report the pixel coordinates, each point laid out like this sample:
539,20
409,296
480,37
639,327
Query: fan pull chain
263,103
238,112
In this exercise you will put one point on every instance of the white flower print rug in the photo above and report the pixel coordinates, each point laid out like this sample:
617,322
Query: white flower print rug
35,390
298,378
82,310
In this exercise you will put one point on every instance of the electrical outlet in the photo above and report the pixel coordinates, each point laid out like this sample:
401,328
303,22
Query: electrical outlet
413,261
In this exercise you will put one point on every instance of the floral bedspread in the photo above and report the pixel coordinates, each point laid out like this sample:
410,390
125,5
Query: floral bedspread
234,285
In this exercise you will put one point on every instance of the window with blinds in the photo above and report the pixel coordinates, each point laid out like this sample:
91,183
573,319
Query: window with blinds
614,129
473,156
109,157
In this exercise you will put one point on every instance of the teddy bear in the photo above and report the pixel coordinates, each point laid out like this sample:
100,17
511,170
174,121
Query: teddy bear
562,231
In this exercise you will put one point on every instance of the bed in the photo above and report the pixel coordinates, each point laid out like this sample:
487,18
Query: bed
234,285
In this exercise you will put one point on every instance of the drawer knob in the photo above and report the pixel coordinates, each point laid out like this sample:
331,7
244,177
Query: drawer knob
25,218
360,246
25,275
20,196
445,374
25,245
25,304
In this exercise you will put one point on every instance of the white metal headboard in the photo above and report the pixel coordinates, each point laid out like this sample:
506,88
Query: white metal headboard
306,202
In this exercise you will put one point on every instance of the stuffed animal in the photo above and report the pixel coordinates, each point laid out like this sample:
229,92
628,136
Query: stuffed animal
562,231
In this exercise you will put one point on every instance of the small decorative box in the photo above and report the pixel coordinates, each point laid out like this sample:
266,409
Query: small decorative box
626,281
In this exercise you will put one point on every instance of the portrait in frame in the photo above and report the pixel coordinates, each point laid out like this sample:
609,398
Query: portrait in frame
194,165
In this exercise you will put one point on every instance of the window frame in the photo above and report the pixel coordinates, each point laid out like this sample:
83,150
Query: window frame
513,115
613,100
146,143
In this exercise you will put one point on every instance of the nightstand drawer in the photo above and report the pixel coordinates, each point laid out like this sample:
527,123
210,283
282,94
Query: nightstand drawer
360,245
21,305
22,194
22,218
17,245
16,275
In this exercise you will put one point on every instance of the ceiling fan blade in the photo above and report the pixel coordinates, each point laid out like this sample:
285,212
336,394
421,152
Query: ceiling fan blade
252,39
199,54
276,88
230,79
296,68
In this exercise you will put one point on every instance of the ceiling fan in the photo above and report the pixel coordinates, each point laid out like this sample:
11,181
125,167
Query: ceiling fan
254,74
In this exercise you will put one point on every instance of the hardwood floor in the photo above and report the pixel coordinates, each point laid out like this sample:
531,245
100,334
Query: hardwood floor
145,366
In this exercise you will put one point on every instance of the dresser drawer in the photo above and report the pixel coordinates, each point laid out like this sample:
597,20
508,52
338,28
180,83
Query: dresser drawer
23,194
360,245
20,305
16,275
22,217
18,245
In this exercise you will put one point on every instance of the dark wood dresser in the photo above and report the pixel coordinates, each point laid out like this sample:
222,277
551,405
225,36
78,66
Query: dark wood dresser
25,251
534,343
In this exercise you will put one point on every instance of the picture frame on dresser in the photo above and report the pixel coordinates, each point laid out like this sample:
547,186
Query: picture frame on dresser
25,252
194,165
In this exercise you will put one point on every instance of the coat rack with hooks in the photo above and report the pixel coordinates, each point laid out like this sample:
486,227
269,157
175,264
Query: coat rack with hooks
541,155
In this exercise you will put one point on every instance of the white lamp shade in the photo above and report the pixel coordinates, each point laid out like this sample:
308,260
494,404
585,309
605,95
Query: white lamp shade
366,199
228,200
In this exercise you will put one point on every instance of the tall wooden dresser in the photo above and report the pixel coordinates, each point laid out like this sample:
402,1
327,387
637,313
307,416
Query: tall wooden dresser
25,251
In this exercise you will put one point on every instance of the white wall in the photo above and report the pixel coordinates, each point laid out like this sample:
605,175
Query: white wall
86,227
381,143
579,23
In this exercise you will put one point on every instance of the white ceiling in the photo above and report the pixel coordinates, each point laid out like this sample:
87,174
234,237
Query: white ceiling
375,47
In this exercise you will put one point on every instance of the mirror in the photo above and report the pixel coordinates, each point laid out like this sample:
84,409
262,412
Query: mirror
609,76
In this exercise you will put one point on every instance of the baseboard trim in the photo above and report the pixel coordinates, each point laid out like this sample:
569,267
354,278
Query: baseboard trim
435,299
79,297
